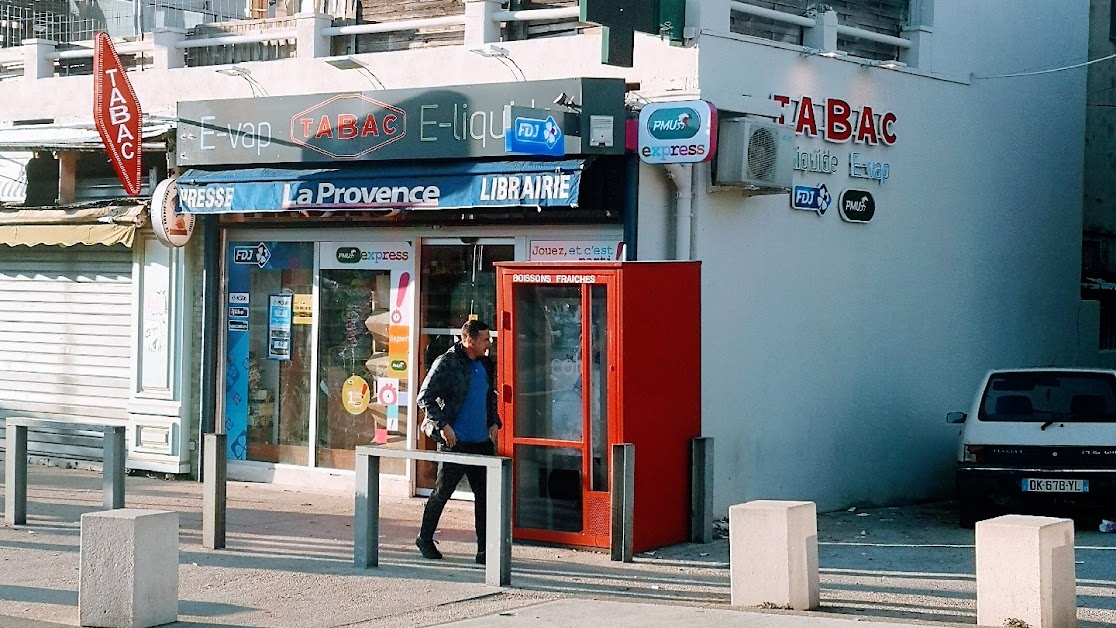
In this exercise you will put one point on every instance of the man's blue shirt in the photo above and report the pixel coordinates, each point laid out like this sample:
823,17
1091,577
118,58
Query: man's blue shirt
471,425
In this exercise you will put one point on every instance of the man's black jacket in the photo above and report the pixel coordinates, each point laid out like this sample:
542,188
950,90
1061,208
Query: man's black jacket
447,384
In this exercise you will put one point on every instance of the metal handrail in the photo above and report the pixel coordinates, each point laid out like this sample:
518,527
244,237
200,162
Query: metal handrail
395,25
127,48
533,15
229,40
809,22
860,33
772,14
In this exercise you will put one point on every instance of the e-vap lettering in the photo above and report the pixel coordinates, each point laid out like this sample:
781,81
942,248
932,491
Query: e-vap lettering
245,135
537,187
878,171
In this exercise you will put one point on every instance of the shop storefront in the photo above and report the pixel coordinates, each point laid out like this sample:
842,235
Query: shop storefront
349,264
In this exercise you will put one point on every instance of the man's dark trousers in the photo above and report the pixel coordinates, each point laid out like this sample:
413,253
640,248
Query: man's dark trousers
448,478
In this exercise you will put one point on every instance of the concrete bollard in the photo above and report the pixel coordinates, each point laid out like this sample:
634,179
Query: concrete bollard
774,554
1025,571
129,568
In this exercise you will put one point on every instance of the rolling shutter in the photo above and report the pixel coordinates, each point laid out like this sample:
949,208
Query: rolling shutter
65,326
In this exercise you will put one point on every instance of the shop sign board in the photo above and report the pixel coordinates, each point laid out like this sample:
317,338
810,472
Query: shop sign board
559,186
810,198
116,113
463,121
171,226
532,132
575,250
856,205
677,132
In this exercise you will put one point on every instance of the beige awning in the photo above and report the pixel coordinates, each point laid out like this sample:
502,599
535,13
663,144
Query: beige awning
91,223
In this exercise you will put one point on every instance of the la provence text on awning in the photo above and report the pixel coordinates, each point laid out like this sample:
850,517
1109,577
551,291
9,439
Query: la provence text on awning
448,185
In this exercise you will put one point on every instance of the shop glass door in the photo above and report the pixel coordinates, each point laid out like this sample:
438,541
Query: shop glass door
559,427
458,282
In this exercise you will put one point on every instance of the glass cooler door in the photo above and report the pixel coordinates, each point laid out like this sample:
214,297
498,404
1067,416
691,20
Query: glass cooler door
559,439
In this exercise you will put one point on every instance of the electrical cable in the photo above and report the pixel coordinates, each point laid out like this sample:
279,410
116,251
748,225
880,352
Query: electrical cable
1037,72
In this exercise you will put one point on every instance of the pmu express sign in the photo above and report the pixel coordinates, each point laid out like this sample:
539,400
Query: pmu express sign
116,112
857,205
677,132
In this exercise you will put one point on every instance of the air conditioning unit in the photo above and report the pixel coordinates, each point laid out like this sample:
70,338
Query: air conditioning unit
754,154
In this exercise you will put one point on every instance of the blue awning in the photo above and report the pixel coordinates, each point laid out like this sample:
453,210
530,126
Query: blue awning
454,185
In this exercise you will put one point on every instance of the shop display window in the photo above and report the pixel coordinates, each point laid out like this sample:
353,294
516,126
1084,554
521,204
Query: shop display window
267,387
354,353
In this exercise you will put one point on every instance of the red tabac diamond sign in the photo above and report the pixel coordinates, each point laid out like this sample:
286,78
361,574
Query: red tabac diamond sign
116,111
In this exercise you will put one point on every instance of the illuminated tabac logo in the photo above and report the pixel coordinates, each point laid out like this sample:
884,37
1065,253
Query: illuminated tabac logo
348,126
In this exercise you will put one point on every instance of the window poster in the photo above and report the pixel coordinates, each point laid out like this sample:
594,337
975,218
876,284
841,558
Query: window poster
279,326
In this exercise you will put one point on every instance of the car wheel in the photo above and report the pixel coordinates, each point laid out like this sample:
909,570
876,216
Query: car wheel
969,512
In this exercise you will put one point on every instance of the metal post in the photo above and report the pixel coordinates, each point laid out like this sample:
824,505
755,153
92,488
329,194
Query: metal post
366,512
112,466
623,501
701,490
498,488
214,476
15,467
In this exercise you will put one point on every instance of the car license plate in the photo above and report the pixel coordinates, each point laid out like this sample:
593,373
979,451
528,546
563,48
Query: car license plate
1031,485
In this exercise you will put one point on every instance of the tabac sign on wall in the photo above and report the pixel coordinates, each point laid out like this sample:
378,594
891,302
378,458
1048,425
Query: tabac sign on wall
455,121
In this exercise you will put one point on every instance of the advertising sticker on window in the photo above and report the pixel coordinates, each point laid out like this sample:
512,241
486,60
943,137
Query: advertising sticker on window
279,326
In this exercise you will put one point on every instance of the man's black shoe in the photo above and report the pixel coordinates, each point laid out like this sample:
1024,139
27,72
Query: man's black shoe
480,557
426,546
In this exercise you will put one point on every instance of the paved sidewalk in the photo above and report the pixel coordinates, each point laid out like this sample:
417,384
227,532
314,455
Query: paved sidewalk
289,563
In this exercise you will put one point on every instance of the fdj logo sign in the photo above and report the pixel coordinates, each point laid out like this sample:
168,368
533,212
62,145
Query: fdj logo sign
674,123
811,198
254,254
348,126
353,255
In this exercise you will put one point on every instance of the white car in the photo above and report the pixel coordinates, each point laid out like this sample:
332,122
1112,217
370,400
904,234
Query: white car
1038,441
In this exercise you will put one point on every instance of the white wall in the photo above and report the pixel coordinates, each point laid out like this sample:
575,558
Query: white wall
663,69
832,350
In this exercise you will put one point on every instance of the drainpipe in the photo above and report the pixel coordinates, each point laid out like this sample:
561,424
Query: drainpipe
631,207
683,177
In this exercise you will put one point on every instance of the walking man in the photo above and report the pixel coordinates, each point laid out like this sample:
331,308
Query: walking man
459,399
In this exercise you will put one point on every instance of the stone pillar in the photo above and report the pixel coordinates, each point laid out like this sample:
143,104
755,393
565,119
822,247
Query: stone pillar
774,554
822,37
480,28
312,43
708,15
1025,571
920,30
166,55
36,65
129,568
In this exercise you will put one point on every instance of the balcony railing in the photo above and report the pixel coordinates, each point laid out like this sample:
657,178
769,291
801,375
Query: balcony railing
316,36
